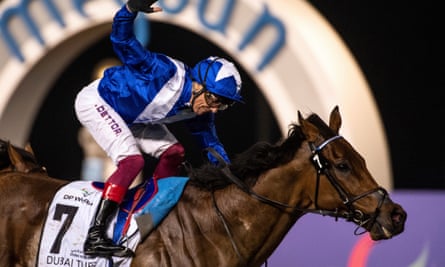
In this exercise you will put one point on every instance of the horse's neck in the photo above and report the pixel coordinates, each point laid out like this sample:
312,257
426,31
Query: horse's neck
257,227
271,223
217,225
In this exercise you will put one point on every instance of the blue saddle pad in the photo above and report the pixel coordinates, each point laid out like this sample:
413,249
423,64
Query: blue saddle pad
153,199
147,189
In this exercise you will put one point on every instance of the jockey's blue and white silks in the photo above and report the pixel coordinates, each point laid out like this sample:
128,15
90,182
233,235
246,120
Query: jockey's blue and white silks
148,88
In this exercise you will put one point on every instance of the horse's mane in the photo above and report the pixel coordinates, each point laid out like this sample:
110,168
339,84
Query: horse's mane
260,157
249,164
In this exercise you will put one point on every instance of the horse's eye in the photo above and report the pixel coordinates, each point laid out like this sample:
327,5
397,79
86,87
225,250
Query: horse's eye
343,167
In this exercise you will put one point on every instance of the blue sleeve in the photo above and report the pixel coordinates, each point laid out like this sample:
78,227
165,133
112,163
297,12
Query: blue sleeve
125,44
204,130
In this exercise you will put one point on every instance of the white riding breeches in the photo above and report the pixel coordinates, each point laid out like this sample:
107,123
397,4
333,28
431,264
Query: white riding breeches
113,134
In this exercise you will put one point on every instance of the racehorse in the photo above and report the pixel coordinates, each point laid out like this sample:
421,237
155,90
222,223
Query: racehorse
228,215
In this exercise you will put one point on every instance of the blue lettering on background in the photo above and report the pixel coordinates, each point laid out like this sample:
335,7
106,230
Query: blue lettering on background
22,11
264,20
173,10
225,15
142,25
53,12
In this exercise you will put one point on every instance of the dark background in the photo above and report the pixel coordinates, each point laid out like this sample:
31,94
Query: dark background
396,46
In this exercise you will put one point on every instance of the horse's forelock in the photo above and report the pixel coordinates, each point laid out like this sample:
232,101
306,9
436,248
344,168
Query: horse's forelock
324,129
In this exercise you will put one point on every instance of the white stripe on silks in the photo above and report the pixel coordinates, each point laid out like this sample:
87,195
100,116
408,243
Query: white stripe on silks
166,98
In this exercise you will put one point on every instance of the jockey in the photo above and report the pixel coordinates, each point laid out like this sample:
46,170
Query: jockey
127,109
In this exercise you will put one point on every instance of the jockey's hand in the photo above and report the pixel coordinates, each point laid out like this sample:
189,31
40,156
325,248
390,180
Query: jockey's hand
143,6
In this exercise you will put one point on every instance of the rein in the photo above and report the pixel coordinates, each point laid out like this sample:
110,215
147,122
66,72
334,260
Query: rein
321,165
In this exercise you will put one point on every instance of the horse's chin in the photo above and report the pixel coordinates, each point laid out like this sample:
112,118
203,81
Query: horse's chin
388,224
380,233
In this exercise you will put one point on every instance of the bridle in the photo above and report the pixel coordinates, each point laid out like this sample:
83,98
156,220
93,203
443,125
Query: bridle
322,167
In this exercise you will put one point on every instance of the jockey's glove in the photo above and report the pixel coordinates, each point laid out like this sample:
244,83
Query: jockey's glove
141,5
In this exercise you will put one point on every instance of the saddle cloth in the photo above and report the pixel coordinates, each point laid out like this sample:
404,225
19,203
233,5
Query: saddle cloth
74,206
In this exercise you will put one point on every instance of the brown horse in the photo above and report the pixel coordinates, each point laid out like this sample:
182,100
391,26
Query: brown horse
231,216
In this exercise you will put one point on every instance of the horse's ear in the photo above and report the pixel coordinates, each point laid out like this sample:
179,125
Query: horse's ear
335,120
17,161
29,149
309,130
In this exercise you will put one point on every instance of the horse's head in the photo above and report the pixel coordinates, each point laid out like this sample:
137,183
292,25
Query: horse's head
345,188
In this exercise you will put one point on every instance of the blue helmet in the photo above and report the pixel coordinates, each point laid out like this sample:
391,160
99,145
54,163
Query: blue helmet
220,77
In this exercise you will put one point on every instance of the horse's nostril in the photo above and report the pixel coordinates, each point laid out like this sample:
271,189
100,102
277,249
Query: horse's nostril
398,216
